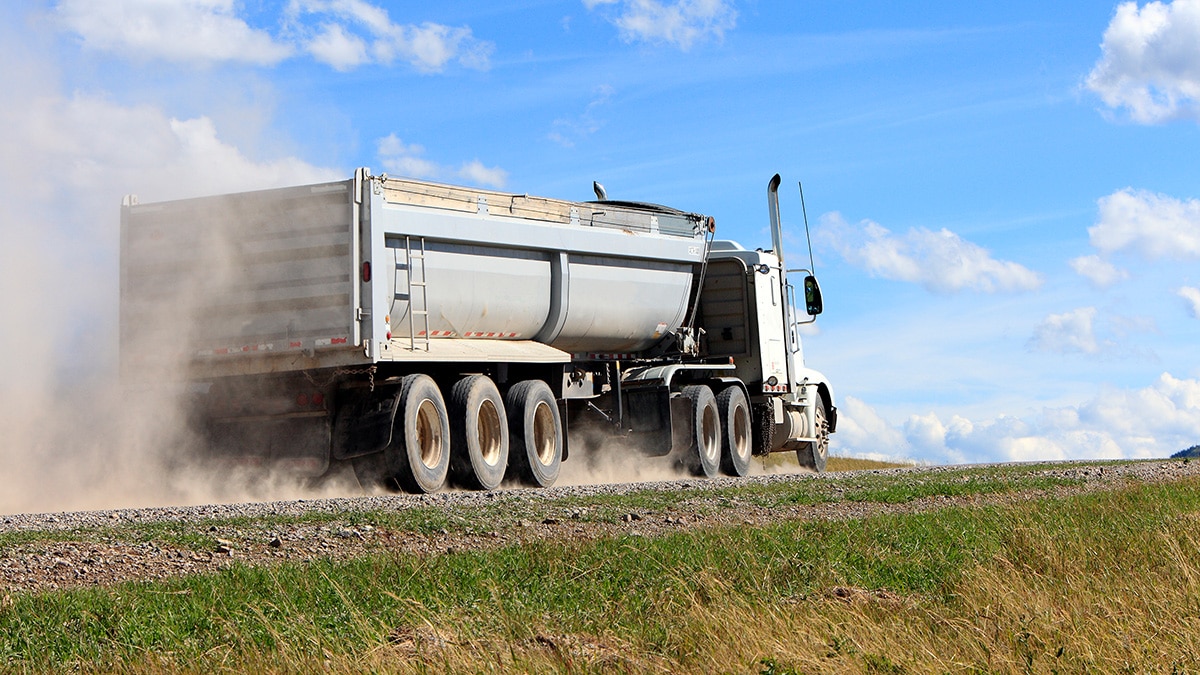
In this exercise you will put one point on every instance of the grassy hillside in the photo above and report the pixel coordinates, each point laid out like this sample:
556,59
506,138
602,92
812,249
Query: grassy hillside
1103,581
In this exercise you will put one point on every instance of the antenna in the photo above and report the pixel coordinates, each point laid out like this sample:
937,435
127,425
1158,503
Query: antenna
812,264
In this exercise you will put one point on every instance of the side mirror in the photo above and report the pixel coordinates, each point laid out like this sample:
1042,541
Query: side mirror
812,296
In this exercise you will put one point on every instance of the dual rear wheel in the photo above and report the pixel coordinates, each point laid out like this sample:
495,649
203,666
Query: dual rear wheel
721,436
475,442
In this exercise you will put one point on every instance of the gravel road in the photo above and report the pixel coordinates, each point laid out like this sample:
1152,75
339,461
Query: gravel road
104,547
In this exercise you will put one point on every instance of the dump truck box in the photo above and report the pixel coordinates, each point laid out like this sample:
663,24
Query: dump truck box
374,269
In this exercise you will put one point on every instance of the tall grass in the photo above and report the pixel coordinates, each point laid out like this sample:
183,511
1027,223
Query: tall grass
1108,582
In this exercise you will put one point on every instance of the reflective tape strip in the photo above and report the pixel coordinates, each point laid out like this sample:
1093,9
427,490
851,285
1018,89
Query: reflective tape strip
479,334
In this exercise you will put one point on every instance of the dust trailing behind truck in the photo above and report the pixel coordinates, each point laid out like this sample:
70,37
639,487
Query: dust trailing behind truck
426,332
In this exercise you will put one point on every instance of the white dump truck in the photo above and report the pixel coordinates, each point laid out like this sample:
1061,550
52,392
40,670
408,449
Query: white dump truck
427,333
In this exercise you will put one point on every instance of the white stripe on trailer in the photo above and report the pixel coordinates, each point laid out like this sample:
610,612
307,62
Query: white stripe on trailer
330,342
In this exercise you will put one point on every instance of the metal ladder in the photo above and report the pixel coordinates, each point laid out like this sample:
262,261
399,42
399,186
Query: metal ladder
413,283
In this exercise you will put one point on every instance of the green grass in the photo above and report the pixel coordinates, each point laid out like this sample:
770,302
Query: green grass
694,601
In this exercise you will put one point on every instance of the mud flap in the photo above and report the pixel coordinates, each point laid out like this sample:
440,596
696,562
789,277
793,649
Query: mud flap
649,415
364,420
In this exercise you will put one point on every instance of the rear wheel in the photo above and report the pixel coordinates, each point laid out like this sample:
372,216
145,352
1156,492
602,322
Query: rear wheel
815,454
703,457
535,433
736,444
418,457
478,434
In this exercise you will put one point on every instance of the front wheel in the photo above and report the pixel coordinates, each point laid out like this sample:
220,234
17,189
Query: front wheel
815,454
535,434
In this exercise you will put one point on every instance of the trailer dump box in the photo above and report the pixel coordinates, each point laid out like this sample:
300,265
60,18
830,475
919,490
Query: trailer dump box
378,269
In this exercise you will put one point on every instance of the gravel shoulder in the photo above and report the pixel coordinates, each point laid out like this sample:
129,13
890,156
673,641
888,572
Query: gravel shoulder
44,552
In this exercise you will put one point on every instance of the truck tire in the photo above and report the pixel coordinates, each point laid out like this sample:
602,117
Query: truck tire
736,441
419,454
535,434
703,457
814,455
478,434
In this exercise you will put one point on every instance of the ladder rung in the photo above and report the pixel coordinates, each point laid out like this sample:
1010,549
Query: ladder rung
416,283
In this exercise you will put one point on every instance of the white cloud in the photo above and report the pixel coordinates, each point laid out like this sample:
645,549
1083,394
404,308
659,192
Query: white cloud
1154,225
353,33
1191,296
1098,271
1150,62
408,160
1154,421
183,30
1068,332
343,34
862,429
333,46
940,261
681,23
475,172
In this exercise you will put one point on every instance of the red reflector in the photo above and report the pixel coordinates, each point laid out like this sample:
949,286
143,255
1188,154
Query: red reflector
302,400
318,399
366,273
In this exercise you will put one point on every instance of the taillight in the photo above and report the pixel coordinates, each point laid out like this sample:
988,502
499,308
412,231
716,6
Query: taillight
366,271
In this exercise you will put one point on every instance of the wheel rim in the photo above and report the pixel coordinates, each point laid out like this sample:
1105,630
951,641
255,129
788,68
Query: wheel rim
821,447
429,434
489,429
710,433
544,438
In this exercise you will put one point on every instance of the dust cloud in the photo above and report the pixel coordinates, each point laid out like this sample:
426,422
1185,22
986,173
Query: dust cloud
599,458
71,436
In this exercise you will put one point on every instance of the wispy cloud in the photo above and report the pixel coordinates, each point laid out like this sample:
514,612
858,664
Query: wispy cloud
1191,296
940,261
1150,62
1154,225
567,131
1084,330
1098,271
409,160
1072,331
681,23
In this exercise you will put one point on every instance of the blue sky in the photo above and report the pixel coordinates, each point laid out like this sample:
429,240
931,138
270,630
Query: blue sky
1004,199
